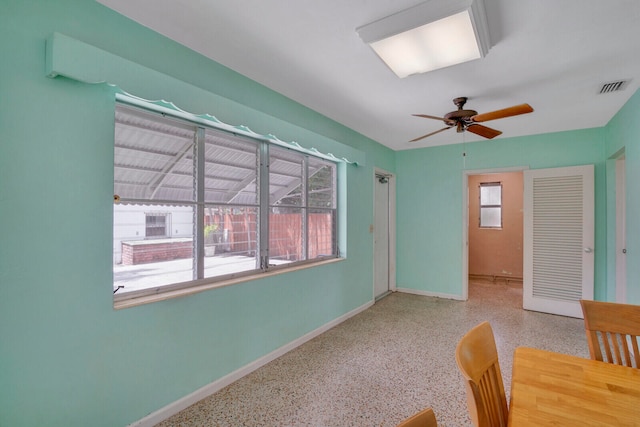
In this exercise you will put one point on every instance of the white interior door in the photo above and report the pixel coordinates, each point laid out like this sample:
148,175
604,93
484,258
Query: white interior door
558,239
381,236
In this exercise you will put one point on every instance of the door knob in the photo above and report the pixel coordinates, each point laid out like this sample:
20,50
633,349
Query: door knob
588,250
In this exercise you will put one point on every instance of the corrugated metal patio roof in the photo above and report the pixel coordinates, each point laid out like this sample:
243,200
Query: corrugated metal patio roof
154,159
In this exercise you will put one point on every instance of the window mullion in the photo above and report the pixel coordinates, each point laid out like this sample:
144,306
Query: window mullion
198,232
264,209
305,207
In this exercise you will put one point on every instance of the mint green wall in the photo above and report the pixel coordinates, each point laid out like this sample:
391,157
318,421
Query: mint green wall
429,215
623,134
66,357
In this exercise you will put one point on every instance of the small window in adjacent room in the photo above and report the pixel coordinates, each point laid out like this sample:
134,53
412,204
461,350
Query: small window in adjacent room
491,205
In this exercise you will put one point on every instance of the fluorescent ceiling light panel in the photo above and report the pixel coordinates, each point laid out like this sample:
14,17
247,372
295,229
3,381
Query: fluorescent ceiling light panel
439,44
432,35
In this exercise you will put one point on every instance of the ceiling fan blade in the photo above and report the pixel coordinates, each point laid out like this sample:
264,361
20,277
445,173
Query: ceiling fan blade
426,116
429,134
506,112
483,131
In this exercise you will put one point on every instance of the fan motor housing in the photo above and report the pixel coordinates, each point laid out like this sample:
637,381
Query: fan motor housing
459,115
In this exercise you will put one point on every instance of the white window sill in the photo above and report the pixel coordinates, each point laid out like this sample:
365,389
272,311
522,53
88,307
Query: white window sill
177,293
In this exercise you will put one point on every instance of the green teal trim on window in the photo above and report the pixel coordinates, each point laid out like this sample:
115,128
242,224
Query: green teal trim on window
85,63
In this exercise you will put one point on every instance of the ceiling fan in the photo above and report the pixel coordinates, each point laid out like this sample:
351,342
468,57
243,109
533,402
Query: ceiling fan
467,120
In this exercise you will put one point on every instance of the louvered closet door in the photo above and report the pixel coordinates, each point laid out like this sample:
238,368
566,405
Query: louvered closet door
558,239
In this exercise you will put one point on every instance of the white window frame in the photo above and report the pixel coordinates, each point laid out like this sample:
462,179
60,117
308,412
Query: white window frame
263,266
482,206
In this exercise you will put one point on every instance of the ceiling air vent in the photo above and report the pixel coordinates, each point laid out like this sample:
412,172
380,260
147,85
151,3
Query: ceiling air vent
613,86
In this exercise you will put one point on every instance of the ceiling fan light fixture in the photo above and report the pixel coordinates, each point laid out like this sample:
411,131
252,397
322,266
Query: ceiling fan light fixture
429,36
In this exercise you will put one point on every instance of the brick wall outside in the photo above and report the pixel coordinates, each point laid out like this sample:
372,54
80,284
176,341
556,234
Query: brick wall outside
134,253
285,236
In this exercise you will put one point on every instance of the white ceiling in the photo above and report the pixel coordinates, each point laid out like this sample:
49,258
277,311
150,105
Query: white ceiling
553,54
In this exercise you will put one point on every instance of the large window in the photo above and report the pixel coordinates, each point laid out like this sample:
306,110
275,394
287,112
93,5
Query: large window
195,204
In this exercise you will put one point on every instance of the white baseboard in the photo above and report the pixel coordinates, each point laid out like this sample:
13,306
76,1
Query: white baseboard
173,408
430,294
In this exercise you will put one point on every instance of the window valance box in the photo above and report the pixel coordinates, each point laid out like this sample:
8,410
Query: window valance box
76,60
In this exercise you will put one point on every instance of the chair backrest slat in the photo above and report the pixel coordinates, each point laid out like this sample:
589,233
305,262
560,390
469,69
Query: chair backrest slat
634,345
625,348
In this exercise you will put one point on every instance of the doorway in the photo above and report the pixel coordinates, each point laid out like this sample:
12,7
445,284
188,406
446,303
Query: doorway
556,201
495,231
384,261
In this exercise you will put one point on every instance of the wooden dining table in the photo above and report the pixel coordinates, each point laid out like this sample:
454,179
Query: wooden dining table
553,389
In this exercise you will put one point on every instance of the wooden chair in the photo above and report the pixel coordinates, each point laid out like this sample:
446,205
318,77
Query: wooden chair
424,418
614,328
477,359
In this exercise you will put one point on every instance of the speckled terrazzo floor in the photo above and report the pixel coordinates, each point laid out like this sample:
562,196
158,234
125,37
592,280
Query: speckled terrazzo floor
385,364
